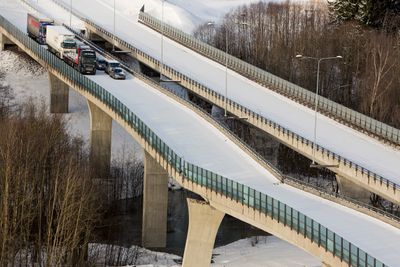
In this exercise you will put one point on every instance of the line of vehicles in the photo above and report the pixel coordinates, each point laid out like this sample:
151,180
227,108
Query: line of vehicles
64,44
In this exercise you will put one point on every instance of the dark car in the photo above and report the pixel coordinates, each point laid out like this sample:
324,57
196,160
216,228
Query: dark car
117,73
100,64
111,64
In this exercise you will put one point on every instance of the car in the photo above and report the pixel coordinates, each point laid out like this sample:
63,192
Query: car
100,64
117,73
111,64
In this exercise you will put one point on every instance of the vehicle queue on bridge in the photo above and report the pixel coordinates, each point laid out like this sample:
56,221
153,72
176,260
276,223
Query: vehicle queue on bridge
63,43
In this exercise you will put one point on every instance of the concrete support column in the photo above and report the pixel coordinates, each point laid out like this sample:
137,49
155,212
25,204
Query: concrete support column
100,141
352,190
93,36
155,204
59,95
4,41
204,222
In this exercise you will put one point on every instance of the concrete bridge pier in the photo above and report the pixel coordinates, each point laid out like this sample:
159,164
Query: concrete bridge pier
93,36
352,190
4,41
100,141
204,222
59,95
155,204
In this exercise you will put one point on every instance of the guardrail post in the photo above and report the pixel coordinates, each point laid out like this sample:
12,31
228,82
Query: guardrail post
155,204
204,222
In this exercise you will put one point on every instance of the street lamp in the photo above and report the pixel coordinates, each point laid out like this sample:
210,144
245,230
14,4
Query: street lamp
162,48
162,41
113,45
319,60
70,13
212,24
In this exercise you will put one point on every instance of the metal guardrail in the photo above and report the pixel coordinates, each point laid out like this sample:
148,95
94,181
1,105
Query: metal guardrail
291,90
271,207
351,203
251,114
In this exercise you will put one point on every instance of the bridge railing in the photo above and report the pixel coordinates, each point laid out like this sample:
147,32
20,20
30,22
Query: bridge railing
274,82
243,194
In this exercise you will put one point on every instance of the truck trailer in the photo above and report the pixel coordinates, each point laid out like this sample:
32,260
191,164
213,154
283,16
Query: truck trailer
82,59
60,41
37,27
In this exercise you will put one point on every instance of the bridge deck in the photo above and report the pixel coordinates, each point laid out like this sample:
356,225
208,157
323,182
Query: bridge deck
199,142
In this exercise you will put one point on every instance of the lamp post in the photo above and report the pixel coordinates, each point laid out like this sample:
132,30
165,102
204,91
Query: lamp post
162,41
319,60
212,24
113,45
70,13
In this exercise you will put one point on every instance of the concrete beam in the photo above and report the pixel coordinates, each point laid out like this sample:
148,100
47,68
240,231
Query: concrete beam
59,95
204,222
100,141
155,203
352,190
92,36
4,41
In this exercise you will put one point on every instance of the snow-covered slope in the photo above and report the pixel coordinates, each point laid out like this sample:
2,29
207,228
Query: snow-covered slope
184,14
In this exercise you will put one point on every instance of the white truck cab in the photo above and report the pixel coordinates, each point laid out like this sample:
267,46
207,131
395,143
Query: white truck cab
60,40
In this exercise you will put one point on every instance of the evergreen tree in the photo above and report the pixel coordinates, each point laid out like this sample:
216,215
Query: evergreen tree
374,13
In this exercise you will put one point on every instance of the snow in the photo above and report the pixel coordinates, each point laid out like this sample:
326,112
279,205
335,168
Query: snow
340,139
266,251
200,143
250,252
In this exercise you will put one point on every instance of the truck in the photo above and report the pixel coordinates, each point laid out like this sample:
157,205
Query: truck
60,41
37,27
82,59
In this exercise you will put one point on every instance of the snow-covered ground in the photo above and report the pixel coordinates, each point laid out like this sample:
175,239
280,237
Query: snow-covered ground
265,251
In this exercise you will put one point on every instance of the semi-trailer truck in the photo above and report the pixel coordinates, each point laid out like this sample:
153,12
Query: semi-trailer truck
37,27
60,40
82,59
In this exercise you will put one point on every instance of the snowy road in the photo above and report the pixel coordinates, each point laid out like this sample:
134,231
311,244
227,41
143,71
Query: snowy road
200,143
342,140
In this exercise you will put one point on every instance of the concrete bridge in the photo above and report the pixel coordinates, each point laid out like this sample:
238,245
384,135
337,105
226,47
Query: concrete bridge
202,160
355,164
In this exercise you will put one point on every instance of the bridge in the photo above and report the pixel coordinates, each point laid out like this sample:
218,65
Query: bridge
360,150
181,143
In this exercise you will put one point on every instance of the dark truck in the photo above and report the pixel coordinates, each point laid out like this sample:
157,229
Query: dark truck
36,27
83,59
